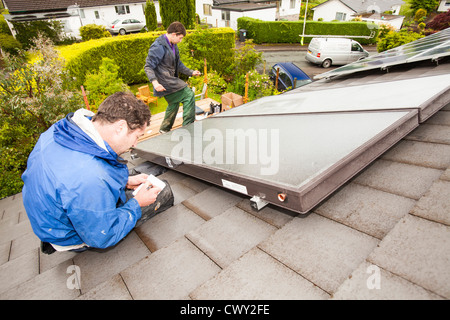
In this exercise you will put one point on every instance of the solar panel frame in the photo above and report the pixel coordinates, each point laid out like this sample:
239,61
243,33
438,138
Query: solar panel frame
314,186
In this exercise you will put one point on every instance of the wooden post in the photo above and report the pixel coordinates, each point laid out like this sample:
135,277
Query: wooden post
205,79
276,79
246,88
85,98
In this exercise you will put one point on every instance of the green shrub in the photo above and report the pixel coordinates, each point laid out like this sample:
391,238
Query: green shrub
258,85
93,31
103,83
291,31
216,84
394,39
420,15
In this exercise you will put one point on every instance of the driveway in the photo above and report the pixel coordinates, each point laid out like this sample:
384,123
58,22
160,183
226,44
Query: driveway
273,53
297,57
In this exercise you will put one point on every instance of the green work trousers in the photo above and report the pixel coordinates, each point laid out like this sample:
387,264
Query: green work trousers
186,97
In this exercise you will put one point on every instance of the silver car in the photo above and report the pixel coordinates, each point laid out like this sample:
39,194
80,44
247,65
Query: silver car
123,26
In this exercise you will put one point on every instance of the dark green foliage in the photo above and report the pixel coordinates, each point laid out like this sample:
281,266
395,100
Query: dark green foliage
177,10
9,44
428,5
29,30
291,31
150,16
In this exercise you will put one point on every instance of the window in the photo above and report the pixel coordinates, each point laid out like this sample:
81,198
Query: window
97,15
207,10
82,16
292,4
356,47
122,9
340,16
226,15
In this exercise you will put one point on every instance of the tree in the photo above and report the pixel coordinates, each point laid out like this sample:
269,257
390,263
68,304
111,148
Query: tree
32,98
27,31
150,16
177,10
440,22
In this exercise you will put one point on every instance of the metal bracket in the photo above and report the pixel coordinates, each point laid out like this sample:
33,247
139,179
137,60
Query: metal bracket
257,203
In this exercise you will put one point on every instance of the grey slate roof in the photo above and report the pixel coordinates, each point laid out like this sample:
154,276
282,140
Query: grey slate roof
392,221
46,5
367,6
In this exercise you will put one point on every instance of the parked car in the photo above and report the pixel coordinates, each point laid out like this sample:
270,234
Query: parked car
123,26
334,51
288,73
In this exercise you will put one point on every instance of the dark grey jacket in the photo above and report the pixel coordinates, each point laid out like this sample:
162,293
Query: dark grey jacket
162,65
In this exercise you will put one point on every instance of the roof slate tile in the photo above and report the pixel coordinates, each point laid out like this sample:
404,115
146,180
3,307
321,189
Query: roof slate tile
321,250
256,275
415,245
366,209
398,178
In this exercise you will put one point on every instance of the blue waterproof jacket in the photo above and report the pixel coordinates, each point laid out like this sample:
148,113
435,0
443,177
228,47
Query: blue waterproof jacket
74,191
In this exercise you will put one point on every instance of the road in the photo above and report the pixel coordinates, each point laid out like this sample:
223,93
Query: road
297,57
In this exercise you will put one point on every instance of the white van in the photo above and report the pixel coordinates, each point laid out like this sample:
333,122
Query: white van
334,51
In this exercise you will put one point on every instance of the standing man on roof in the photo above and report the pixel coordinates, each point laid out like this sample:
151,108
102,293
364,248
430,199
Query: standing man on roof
77,191
162,67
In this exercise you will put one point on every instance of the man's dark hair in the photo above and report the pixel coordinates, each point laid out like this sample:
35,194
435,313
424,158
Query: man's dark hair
177,28
124,106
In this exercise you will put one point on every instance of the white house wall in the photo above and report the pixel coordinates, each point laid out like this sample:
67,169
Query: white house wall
215,19
108,14
327,11
444,6
288,12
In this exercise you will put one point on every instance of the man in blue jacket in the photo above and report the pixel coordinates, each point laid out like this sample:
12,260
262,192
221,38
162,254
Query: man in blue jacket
162,67
75,183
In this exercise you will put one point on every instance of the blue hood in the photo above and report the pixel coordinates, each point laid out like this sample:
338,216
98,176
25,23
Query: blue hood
69,135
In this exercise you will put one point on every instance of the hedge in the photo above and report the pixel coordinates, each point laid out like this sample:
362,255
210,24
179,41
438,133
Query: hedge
129,53
290,31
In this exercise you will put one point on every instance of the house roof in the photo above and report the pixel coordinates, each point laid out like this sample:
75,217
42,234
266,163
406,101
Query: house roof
384,235
361,6
21,6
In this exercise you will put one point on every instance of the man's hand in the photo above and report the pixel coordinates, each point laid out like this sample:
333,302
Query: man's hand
147,195
158,87
136,181
196,73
